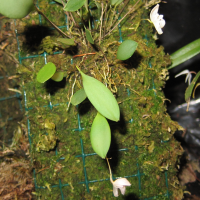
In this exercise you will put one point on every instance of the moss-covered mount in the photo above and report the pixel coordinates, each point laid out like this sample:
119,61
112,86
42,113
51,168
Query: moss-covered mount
143,148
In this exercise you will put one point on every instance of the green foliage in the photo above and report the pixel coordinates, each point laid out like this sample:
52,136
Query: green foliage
190,88
66,41
100,135
78,97
144,113
46,72
101,97
58,76
126,49
185,53
115,2
16,9
89,36
74,5
58,1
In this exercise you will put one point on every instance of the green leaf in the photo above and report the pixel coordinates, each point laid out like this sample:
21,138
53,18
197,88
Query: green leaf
89,36
100,135
16,9
185,53
115,2
58,76
58,1
78,97
126,49
74,5
46,72
190,88
66,41
101,97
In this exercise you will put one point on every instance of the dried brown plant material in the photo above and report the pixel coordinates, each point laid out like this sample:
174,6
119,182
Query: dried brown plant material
16,180
188,174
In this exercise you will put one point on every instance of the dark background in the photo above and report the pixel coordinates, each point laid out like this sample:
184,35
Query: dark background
182,27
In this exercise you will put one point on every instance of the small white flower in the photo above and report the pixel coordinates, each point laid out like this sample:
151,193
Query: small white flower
188,77
157,19
121,184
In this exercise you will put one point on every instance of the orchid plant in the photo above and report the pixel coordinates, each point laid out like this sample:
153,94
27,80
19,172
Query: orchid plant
98,93
182,55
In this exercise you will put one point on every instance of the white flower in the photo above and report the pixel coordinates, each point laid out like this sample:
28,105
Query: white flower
121,184
188,77
157,19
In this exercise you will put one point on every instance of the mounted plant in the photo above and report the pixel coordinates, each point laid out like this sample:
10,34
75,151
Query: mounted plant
98,94
109,68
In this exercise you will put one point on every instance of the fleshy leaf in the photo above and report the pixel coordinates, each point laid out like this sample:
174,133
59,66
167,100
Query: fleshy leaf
189,89
126,49
185,53
58,76
115,2
100,135
78,97
101,97
16,9
74,5
89,36
66,41
46,72
58,1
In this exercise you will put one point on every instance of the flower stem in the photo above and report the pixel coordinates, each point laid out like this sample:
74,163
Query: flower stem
111,180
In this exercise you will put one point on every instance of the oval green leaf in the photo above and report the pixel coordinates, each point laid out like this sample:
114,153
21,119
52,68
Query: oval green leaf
78,97
185,53
190,88
16,9
66,41
89,36
58,1
101,97
126,49
58,76
115,2
46,72
74,5
100,135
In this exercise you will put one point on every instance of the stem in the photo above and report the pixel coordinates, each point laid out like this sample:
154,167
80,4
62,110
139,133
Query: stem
85,54
120,12
122,18
111,180
101,24
72,92
104,31
60,31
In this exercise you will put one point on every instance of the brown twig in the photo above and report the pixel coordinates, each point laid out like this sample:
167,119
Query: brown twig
59,30
85,54
42,169
120,12
104,31
101,19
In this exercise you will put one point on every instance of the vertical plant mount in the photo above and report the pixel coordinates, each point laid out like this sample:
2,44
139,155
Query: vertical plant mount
143,148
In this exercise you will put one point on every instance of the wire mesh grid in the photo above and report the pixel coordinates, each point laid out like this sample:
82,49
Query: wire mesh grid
61,185
10,101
